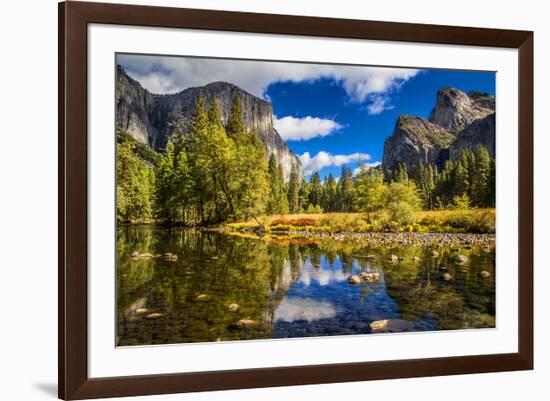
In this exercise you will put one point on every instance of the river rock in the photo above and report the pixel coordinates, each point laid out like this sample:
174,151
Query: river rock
446,277
317,265
245,323
462,258
485,274
393,258
233,307
391,326
443,268
203,297
435,254
154,315
416,258
135,254
354,279
141,310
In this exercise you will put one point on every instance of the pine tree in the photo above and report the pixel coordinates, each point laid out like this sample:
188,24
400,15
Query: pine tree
480,185
315,190
235,123
303,195
293,191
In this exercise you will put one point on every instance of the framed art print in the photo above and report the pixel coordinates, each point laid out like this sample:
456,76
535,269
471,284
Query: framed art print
252,200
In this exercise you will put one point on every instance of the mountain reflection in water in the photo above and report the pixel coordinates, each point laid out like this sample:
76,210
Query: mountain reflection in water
220,287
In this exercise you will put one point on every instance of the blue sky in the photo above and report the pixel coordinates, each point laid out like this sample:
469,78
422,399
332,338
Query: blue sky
329,115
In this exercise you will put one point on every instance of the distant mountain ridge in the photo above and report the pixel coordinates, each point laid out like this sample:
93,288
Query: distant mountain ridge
147,117
457,121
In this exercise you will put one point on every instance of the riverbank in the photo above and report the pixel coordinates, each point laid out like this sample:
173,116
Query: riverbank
471,221
414,239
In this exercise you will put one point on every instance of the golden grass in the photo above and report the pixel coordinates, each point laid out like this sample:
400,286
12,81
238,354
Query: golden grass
465,221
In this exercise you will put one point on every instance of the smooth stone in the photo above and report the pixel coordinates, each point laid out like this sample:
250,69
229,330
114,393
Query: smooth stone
485,274
135,254
317,265
393,257
213,258
354,279
416,258
391,326
446,277
154,315
203,297
462,258
233,307
443,268
141,310
246,323
435,254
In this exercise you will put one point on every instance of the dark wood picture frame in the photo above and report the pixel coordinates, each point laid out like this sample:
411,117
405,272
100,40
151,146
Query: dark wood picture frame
74,18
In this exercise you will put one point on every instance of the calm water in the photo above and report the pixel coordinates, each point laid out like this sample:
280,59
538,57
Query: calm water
285,288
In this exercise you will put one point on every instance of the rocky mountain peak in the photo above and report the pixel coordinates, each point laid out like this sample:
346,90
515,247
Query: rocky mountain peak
457,121
455,109
415,139
147,117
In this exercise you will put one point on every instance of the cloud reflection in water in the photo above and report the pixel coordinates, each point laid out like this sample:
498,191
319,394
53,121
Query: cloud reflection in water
294,309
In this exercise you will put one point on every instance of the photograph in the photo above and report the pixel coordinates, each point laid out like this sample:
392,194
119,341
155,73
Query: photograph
268,199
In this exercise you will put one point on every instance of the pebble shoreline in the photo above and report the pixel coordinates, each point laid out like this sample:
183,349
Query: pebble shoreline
423,239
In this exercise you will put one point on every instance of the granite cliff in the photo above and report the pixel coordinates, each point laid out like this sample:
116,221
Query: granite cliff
457,121
147,117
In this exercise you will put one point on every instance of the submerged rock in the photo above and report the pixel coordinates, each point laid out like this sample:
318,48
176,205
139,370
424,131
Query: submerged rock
485,274
446,277
391,326
246,323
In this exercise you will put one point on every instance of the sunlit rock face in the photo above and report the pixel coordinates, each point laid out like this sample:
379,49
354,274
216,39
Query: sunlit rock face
296,309
457,121
148,117
454,109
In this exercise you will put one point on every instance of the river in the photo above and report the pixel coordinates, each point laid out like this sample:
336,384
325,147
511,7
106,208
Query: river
180,286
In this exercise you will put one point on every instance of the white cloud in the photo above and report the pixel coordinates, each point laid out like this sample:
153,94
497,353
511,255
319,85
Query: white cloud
298,129
378,104
357,170
172,74
324,159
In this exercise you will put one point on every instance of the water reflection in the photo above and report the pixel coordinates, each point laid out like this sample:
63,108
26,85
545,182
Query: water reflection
222,287
294,309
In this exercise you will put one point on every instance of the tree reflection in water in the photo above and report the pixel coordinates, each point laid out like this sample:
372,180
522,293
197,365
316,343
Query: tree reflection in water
223,287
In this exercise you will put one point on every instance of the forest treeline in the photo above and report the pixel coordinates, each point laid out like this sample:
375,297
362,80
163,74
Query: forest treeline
212,173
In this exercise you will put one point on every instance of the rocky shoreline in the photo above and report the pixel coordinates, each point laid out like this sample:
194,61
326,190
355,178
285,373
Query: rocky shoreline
419,239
